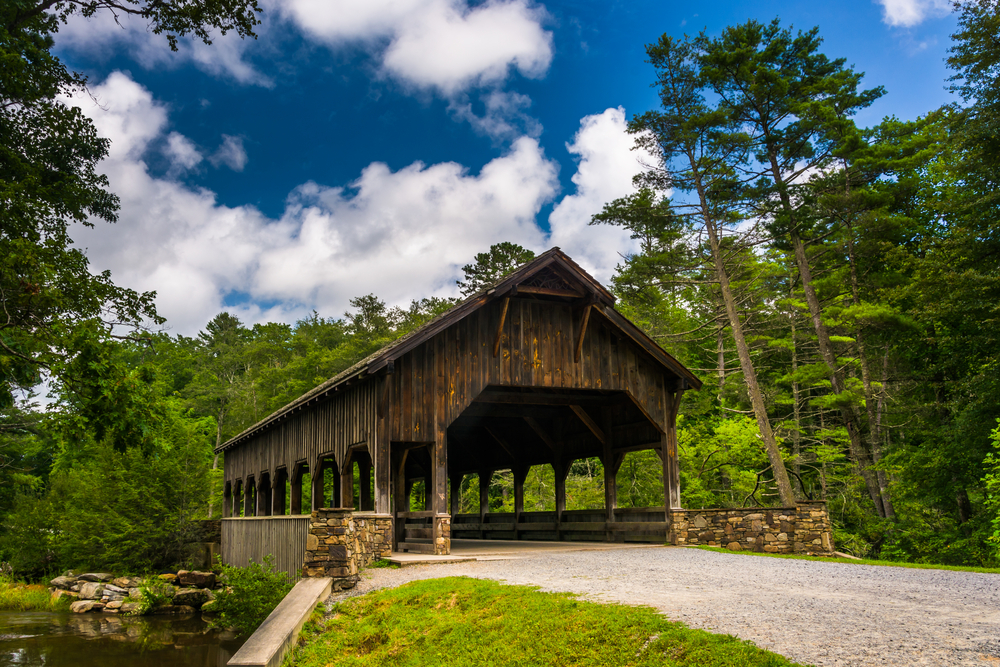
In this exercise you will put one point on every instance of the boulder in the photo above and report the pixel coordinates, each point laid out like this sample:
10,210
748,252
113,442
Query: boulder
114,605
96,576
169,578
209,608
127,582
63,582
76,587
111,588
195,579
134,593
91,590
82,606
192,597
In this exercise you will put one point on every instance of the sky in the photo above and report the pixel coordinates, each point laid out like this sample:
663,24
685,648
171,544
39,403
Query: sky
376,146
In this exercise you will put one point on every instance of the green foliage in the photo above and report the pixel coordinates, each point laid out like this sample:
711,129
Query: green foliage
249,595
491,266
992,482
458,621
153,593
16,596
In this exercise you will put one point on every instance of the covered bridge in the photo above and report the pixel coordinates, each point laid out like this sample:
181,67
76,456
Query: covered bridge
537,369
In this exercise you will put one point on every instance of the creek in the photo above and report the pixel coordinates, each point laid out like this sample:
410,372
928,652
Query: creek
63,639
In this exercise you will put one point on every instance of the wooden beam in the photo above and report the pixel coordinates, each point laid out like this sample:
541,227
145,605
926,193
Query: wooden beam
501,442
503,318
540,432
548,291
546,398
589,423
581,332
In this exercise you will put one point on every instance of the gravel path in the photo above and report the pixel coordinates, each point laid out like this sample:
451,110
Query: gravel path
811,612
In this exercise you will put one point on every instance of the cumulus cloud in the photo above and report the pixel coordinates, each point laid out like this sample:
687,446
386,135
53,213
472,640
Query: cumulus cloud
504,116
181,152
102,34
908,13
231,153
444,45
400,234
607,165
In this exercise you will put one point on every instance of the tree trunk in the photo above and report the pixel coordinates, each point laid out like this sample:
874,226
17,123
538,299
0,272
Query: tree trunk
785,492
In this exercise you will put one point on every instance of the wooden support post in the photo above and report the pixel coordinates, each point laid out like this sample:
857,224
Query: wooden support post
263,497
381,453
561,469
484,498
279,481
668,448
456,494
365,482
499,334
610,483
316,493
295,492
581,331
520,472
400,496
347,483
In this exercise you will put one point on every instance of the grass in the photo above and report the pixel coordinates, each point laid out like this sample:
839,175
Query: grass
461,621
382,563
862,561
29,597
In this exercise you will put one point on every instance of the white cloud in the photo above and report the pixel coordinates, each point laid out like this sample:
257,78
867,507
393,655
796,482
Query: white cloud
231,153
99,36
503,118
444,45
400,234
607,165
908,13
182,152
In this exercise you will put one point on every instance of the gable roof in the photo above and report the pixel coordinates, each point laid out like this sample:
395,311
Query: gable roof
554,259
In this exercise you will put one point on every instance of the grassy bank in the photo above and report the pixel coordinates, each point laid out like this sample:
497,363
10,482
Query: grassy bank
29,597
459,621
857,561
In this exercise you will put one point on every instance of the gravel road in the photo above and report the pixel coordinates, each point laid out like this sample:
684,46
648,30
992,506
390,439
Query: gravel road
811,612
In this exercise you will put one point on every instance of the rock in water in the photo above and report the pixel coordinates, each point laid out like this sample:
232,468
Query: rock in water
82,606
191,597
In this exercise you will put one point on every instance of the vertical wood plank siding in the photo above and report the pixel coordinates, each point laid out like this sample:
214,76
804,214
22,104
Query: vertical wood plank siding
284,538
536,350
431,385
347,418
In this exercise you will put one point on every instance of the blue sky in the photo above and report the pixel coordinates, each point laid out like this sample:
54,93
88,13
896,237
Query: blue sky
376,146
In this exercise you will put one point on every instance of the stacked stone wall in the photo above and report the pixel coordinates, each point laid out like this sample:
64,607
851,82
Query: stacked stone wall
802,529
342,541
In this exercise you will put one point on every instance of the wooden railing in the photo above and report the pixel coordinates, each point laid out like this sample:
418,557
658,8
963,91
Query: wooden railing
253,538
641,524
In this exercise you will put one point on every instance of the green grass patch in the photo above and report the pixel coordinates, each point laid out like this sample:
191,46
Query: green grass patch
460,621
29,597
852,561
382,563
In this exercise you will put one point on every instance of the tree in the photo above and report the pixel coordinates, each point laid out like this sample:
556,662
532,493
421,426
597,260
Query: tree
491,266
697,147
796,105
49,179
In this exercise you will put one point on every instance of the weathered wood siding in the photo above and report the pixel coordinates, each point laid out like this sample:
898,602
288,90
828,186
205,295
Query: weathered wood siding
332,427
284,538
434,383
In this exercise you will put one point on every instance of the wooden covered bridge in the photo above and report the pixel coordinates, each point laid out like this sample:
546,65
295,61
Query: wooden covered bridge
537,369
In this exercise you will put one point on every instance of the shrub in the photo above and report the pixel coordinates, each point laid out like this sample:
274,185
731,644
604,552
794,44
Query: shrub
249,595
153,593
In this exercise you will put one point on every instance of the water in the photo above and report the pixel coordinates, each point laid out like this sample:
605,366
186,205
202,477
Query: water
106,640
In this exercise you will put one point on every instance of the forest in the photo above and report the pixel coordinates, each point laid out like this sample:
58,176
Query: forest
836,287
